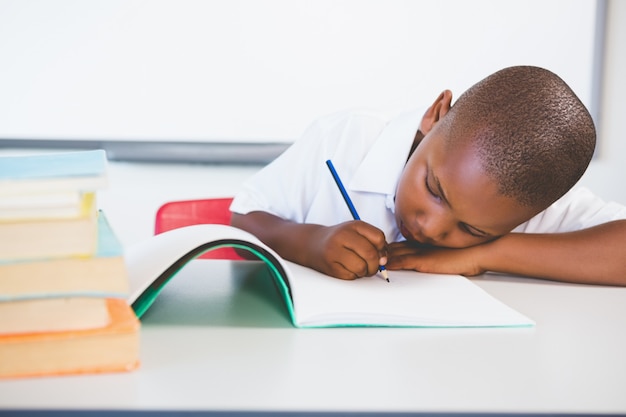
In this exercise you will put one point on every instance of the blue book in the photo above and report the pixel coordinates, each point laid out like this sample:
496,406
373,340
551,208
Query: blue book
53,172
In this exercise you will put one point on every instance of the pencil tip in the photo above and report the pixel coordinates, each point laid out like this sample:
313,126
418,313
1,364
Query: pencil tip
383,272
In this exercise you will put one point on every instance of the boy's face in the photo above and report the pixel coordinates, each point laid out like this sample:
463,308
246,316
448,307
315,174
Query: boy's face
445,199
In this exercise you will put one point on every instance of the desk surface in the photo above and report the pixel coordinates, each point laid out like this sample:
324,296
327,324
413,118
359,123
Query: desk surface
218,338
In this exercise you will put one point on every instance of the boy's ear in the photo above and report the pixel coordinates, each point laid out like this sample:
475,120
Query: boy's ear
436,111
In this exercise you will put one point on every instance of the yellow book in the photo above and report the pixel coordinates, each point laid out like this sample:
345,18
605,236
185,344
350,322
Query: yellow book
112,348
48,238
43,205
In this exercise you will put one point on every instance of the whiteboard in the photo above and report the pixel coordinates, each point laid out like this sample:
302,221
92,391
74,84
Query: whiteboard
261,71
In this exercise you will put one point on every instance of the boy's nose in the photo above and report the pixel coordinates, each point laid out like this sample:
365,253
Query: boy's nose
435,230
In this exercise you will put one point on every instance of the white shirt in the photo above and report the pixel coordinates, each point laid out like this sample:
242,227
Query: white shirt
578,209
369,152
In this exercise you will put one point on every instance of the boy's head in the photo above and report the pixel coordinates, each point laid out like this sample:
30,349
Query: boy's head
510,146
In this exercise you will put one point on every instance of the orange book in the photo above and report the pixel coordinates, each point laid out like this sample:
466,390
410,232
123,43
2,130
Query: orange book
112,348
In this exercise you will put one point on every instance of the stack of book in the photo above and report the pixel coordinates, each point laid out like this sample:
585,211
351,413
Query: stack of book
63,279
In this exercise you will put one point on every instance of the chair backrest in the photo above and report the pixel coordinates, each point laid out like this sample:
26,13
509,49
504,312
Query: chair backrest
175,214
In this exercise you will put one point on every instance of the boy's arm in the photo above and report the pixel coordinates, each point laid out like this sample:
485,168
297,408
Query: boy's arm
348,250
596,255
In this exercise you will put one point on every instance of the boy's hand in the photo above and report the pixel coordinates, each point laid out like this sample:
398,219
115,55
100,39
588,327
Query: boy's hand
348,250
407,255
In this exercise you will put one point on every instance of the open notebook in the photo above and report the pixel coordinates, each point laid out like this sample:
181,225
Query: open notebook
313,299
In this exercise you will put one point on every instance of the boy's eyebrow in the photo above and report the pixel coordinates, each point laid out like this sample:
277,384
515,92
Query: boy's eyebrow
442,194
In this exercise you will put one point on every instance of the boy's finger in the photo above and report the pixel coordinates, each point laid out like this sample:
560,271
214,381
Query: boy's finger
356,265
377,239
374,235
371,256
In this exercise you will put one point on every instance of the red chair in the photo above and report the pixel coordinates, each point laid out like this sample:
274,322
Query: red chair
175,214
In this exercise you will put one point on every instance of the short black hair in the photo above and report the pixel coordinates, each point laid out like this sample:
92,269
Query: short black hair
533,135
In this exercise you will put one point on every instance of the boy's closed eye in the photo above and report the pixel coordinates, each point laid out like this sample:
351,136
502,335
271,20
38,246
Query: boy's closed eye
430,188
436,191
474,232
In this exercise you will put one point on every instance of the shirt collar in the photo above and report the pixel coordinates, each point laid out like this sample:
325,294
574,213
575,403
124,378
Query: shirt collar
380,170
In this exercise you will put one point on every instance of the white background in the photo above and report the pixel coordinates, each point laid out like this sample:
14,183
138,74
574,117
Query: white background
246,70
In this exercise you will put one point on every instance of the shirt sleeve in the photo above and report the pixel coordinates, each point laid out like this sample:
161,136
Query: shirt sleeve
286,186
577,209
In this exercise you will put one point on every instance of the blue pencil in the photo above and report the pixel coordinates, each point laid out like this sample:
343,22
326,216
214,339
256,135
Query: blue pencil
351,207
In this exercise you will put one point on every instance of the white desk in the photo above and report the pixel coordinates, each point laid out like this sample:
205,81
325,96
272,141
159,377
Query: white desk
218,338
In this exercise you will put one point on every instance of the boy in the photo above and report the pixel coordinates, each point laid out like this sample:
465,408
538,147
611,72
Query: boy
479,186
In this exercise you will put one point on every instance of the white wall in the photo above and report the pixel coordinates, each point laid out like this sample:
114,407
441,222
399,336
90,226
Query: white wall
607,174
46,70
262,70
